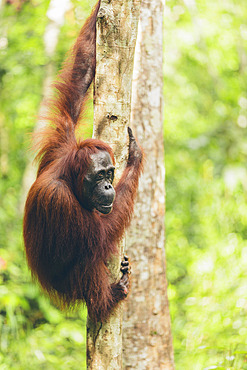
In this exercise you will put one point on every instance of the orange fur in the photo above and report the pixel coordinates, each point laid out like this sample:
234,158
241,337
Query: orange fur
67,246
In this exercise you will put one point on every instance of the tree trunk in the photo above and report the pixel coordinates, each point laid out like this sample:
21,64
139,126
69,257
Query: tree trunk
116,37
147,340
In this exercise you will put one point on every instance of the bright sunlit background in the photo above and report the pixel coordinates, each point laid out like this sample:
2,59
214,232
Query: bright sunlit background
205,87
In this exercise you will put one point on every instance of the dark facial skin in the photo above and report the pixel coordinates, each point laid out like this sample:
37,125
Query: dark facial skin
98,192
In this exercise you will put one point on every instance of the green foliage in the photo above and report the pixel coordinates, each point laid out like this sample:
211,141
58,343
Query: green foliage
33,333
206,176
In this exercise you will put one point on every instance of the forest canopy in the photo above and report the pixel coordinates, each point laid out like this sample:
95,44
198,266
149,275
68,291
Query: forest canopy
205,79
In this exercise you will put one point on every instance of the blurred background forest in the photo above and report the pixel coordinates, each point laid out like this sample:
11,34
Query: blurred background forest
205,87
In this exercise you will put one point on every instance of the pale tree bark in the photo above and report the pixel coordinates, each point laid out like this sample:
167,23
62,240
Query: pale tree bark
147,340
116,38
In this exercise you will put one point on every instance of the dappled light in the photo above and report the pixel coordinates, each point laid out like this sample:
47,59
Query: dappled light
205,79
206,211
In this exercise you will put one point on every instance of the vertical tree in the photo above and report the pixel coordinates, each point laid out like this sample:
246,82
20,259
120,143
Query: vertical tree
147,340
116,37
